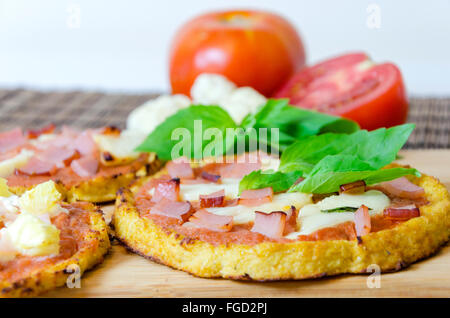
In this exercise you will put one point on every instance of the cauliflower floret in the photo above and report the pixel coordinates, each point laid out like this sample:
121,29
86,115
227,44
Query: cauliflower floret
211,89
242,101
34,237
149,115
215,89
42,199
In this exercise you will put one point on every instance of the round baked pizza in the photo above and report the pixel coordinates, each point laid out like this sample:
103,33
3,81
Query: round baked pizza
254,217
89,165
44,240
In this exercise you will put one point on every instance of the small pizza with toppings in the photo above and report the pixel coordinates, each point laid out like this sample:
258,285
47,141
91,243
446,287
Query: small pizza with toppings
44,240
332,204
89,165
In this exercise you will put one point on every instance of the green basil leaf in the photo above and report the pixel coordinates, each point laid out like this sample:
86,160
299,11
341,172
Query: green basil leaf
278,181
377,148
341,209
178,131
333,171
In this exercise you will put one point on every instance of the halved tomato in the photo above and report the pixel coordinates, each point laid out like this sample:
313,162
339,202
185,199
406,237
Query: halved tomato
351,86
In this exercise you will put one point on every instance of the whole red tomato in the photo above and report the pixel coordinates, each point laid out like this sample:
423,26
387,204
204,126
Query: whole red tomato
251,48
351,86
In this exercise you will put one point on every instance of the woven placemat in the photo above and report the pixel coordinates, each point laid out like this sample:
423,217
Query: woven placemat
33,109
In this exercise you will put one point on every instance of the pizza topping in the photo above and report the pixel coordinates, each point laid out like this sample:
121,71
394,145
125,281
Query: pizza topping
169,190
362,221
256,197
85,167
403,188
180,168
16,161
59,156
209,176
7,250
211,221
42,199
270,224
353,188
11,139
177,210
35,133
34,237
214,199
85,143
402,212
36,166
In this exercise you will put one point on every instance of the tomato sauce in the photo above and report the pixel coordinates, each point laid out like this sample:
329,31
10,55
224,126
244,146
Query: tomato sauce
73,226
242,234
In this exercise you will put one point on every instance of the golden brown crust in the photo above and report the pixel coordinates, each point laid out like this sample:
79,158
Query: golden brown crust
102,188
56,275
390,249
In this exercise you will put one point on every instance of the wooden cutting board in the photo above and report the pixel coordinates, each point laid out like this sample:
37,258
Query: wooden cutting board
123,274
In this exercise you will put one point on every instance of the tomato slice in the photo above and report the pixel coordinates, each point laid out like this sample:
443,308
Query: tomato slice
351,86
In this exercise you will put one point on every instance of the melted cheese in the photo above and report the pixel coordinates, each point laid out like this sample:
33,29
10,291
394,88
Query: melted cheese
34,237
120,147
8,166
312,219
281,202
191,192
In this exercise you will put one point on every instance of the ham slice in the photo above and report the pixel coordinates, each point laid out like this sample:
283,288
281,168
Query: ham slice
270,224
12,139
85,144
256,197
60,156
85,167
356,187
403,188
211,221
35,166
402,213
215,199
209,176
35,133
169,190
178,210
362,221
180,168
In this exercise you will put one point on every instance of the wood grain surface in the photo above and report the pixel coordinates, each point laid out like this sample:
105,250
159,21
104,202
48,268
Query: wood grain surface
123,274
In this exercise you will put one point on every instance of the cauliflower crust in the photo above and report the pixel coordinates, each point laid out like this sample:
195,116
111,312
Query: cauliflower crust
56,275
100,189
391,249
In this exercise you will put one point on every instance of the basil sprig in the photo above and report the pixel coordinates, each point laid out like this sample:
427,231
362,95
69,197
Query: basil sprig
292,123
330,160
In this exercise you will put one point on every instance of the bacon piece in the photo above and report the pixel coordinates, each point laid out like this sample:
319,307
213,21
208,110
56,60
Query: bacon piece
35,133
35,166
403,188
403,213
238,170
209,176
270,224
85,144
211,221
11,139
180,168
85,167
178,210
353,188
362,221
291,220
60,156
215,199
169,190
256,197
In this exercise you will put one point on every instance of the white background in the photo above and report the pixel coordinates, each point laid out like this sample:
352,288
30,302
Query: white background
123,45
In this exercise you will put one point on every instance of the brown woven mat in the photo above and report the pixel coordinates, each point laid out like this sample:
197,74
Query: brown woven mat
33,109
